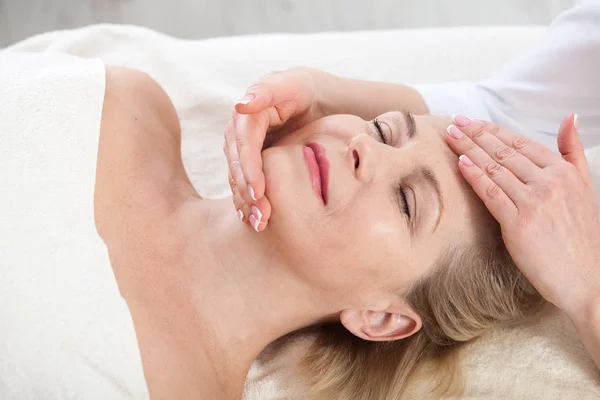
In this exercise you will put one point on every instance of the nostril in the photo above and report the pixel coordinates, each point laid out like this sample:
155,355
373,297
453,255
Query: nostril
356,161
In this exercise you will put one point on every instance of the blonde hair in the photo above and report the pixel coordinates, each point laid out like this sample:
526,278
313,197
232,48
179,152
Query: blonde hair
468,291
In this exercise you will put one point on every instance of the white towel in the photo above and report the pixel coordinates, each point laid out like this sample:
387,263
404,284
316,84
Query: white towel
65,333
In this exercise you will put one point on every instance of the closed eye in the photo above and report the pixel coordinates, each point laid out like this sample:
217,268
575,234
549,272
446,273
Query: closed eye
379,130
403,201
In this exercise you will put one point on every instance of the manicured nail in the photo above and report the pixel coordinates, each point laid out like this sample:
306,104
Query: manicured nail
246,99
459,120
576,121
253,222
478,122
251,191
466,161
240,215
257,214
454,132
255,217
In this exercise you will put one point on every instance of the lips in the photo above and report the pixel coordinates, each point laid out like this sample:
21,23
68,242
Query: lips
318,167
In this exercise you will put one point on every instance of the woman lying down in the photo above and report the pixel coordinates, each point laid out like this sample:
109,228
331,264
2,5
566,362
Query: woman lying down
377,235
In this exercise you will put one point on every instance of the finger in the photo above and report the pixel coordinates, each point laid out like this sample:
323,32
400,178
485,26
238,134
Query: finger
521,166
570,147
246,211
272,90
230,163
260,214
495,199
536,152
250,132
233,161
504,178
237,199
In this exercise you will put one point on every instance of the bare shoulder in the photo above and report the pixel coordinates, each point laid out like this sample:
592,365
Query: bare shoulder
136,92
140,174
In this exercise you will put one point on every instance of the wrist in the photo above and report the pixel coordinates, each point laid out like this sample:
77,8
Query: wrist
326,87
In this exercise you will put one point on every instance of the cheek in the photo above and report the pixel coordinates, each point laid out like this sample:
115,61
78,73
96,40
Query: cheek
285,180
364,249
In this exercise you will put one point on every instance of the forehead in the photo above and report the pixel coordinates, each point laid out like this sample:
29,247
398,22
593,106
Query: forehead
465,217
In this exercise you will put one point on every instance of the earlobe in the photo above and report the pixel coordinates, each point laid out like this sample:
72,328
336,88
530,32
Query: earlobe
381,325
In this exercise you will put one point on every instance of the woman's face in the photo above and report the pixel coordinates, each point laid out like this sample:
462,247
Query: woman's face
365,206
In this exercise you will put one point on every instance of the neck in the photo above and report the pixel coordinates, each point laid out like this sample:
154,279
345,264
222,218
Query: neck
249,294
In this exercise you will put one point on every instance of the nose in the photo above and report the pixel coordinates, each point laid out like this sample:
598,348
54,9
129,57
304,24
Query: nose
360,155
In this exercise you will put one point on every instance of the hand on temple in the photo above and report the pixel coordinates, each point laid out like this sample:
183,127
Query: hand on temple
547,209
276,105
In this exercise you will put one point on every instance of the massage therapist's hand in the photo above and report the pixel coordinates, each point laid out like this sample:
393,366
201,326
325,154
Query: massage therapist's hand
277,104
545,204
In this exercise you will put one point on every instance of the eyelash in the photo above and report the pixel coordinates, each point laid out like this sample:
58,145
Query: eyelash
404,200
379,130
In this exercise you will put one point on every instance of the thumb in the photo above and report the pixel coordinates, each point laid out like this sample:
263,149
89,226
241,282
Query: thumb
271,91
570,146
258,97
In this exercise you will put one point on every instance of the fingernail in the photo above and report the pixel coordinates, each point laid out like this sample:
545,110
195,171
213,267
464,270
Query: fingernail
246,99
459,120
466,161
253,222
576,121
478,122
240,215
251,191
454,132
255,217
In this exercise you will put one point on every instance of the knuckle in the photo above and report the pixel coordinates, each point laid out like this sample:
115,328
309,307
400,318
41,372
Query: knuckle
520,143
479,175
492,128
226,147
492,168
240,142
493,190
236,170
477,132
503,153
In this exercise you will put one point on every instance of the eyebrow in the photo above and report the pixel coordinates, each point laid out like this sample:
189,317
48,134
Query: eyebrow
411,128
433,181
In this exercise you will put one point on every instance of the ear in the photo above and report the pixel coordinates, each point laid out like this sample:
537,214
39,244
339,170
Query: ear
392,324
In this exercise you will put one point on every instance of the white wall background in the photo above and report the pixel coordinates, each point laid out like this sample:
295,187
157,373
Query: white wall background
205,18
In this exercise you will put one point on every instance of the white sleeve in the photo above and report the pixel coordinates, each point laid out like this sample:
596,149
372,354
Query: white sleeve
532,94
